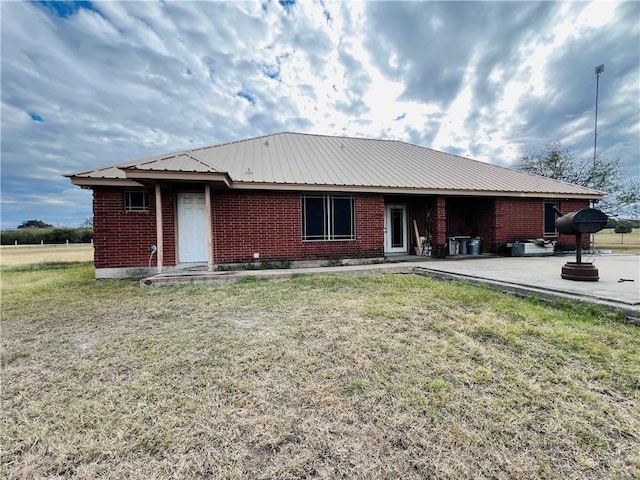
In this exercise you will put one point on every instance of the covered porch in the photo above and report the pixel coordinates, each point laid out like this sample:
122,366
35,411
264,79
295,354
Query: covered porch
422,224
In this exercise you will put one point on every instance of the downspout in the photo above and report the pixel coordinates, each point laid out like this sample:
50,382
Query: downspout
207,203
159,238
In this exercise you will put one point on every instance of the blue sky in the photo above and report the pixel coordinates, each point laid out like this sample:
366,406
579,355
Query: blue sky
85,84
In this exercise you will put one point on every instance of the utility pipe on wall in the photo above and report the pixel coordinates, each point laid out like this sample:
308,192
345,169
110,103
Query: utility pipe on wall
153,249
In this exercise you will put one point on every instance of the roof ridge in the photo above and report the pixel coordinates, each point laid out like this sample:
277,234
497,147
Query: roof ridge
186,153
305,134
342,136
97,169
233,142
204,162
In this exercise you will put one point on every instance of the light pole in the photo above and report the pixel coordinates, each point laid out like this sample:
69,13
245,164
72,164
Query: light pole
599,70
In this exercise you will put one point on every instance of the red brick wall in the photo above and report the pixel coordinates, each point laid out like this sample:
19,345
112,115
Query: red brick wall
122,239
568,206
470,216
485,225
522,218
270,223
516,219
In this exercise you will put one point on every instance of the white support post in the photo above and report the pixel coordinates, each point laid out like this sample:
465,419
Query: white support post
159,238
207,203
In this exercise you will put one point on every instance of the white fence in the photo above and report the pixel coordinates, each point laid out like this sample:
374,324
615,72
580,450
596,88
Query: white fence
42,244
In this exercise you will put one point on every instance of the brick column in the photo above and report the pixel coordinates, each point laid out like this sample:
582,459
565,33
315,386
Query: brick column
439,222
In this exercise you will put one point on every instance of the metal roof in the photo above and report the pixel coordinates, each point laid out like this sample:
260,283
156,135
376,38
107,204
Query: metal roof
182,162
296,159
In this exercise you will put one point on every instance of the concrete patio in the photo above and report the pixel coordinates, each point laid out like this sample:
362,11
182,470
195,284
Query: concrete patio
617,288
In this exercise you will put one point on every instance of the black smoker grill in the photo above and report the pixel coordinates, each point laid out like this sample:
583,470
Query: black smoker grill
587,220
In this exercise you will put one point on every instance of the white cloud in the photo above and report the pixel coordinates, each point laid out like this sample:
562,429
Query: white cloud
596,14
486,80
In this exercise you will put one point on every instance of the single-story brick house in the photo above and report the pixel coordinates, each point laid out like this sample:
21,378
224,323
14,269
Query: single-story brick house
301,197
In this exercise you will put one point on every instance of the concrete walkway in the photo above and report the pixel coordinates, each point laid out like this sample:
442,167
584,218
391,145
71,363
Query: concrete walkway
534,276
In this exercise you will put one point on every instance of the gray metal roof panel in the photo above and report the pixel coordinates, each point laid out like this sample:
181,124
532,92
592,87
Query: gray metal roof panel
111,172
181,162
305,159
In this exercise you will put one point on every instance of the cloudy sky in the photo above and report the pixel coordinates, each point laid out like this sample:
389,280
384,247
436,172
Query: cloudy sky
85,84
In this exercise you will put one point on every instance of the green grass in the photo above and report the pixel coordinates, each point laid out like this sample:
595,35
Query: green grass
377,376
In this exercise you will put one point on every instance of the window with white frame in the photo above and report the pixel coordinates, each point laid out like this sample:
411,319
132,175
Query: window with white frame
328,217
136,201
550,216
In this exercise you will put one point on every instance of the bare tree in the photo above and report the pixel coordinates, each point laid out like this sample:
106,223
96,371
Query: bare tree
605,175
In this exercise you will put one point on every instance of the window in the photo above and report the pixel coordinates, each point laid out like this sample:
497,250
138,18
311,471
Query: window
136,201
328,217
550,216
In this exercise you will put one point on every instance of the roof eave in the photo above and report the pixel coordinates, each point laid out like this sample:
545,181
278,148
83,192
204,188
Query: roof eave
173,176
103,182
405,190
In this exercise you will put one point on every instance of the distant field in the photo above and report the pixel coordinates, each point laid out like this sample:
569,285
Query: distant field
11,256
618,242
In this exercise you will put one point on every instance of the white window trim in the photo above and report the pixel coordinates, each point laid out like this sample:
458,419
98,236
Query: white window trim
127,201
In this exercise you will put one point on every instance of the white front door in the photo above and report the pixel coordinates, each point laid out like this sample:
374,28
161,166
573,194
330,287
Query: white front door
192,228
395,229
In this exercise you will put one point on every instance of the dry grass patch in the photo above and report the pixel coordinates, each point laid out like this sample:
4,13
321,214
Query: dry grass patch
618,242
387,376
11,256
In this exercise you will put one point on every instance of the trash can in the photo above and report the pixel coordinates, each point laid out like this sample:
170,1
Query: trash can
517,250
474,246
453,246
463,245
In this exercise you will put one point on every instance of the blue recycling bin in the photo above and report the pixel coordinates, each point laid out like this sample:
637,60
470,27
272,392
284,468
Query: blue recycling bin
474,246
463,245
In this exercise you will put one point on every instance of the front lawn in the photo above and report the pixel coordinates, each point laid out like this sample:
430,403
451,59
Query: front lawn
373,376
